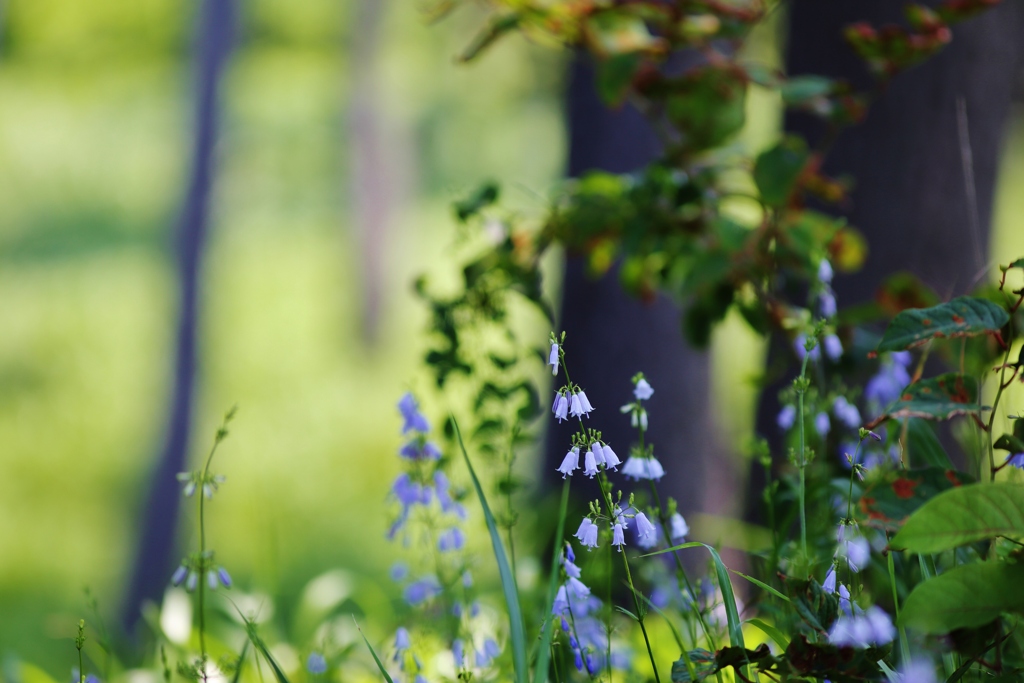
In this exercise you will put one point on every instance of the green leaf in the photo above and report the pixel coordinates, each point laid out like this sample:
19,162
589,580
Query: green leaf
238,664
517,633
967,596
704,665
777,170
614,76
1012,442
261,647
775,634
485,195
964,515
816,607
923,445
937,398
962,317
497,27
383,671
890,497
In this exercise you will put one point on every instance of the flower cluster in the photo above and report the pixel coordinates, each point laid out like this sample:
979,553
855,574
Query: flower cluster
195,566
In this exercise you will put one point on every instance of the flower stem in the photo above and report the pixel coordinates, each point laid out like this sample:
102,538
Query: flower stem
801,389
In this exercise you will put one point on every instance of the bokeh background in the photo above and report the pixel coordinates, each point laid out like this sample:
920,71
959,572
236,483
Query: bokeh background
96,108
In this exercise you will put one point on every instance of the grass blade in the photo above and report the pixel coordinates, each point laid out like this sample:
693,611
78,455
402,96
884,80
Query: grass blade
540,671
261,648
383,671
241,659
517,634
775,634
761,584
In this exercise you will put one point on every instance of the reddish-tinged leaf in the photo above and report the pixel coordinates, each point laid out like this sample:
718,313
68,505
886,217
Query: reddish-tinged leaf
962,317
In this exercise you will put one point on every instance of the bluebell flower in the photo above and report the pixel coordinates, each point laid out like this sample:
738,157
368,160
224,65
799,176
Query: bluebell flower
467,579
408,492
618,539
611,460
846,412
833,347
854,548
786,417
584,402
398,571
825,271
639,467
822,424
420,679
192,581
488,654
414,420
452,539
419,449
444,498
918,671
578,661
587,533
457,653
678,527
316,664
649,541
1015,460
801,350
887,385
571,569
590,464
402,641
561,602
575,406
570,463
211,579
642,414
421,590
565,625
644,528
561,407
643,390
845,604
225,578
179,575
829,586
827,303
569,554
553,359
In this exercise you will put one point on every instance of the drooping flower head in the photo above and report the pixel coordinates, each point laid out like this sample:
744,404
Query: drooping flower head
644,528
316,664
643,390
570,463
641,467
786,417
553,359
414,420
833,347
587,533
678,527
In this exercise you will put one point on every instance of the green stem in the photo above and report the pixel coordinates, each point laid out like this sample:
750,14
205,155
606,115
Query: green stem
904,644
992,414
801,456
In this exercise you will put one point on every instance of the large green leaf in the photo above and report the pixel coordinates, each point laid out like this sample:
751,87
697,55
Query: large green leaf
964,515
967,596
517,633
962,317
891,496
937,398
777,169
923,445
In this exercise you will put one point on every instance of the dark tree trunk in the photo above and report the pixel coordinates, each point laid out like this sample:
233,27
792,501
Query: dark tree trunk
154,559
611,336
910,159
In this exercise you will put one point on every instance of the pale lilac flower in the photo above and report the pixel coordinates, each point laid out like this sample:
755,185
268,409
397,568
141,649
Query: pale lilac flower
650,541
575,407
618,539
211,579
825,271
179,575
886,386
585,403
611,460
457,653
570,463
414,420
827,303
192,581
856,550
643,419
571,569
786,417
638,467
398,571
1015,460
420,679
874,627
845,604
467,579
587,533
918,671
402,640
489,652
590,464
577,588
643,390
422,590
830,581
598,452
833,347
316,664
561,407
678,527
846,412
644,528
822,424
452,539
553,359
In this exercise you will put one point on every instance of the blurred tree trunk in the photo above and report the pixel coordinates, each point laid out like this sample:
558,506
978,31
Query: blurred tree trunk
372,179
610,335
154,558
909,160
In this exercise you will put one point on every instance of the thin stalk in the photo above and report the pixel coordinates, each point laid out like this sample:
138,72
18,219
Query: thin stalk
904,644
801,456
992,415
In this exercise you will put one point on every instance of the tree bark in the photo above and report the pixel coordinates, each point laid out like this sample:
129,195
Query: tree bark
154,558
910,160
